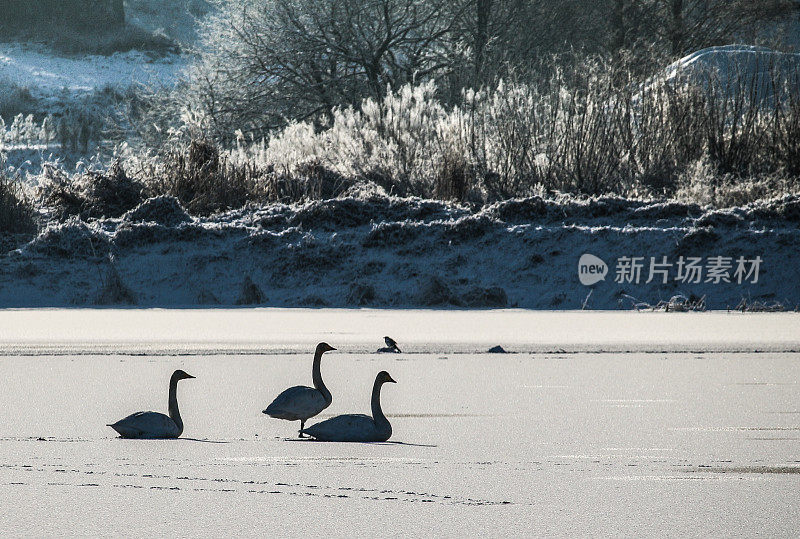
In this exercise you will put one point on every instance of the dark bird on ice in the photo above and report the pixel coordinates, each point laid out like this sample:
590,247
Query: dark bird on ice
391,346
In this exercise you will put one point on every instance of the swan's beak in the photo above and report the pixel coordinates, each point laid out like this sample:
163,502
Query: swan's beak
392,380
190,376
331,348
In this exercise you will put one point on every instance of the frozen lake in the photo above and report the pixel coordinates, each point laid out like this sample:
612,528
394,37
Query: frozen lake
603,423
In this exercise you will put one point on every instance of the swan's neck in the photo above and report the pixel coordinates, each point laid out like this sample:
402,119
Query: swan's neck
377,413
316,375
174,413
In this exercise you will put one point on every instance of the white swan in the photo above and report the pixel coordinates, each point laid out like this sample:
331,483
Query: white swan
357,427
299,403
154,424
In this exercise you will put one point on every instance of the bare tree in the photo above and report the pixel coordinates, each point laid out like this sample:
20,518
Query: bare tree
269,60
682,26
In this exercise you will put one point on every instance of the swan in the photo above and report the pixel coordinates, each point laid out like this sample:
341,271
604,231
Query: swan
154,424
357,427
303,402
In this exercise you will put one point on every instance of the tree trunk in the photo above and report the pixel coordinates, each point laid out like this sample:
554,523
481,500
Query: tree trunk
676,29
483,14
618,25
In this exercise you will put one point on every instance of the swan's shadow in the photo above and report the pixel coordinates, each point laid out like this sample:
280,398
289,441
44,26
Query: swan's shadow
205,440
170,439
370,443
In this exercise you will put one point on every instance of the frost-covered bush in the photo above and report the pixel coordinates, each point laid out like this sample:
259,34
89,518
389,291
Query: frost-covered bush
575,132
91,194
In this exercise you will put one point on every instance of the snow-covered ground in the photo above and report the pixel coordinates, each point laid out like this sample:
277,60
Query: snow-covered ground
668,444
384,251
73,86
54,77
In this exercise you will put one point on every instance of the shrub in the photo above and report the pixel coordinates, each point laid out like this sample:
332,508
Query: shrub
92,194
203,180
17,214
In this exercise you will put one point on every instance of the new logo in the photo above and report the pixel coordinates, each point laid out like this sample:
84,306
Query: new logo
591,269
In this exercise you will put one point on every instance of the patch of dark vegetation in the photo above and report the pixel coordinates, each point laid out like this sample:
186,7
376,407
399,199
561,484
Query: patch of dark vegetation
333,214
204,181
372,267
250,293
207,298
111,193
27,270
434,292
113,290
496,350
92,195
273,221
535,259
492,298
361,294
313,301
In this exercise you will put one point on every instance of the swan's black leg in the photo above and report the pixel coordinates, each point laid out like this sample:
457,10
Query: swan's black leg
302,426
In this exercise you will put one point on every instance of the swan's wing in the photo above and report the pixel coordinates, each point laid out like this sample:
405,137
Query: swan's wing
296,403
146,425
346,428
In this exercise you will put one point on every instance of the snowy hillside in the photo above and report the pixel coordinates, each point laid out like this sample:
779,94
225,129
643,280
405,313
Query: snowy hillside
55,78
387,251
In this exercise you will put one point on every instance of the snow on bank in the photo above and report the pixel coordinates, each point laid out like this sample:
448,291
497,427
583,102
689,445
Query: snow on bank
382,251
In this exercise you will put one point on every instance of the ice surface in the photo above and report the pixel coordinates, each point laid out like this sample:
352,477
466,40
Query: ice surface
521,444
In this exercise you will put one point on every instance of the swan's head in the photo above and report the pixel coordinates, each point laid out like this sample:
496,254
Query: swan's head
324,347
181,375
384,377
